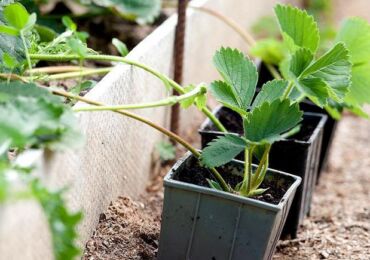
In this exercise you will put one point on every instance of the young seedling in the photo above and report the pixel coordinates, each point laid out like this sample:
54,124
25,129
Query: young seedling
267,119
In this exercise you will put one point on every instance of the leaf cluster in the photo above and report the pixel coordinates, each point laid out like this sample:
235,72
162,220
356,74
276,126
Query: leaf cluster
333,80
33,117
265,118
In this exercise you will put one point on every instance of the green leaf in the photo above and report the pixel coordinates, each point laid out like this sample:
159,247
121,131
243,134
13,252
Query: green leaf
238,72
11,45
31,22
315,89
32,117
46,34
16,15
257,192
360,89
77,47
270,91
298,26
355,34
120,46
69,24
16,89
166,150
224,94
214,185
300,60
8,30
62,222
222,150
267,122
329,76
270,51
9,61
334,68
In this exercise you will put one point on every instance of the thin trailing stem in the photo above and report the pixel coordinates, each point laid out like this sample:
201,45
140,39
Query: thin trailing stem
168,133
166,80
56,69
246,178
288,90
262,166
76,74
250,168
214,119
200,90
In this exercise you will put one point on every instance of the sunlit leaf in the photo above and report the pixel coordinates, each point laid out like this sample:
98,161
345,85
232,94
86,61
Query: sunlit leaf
267,122
299,26
239,73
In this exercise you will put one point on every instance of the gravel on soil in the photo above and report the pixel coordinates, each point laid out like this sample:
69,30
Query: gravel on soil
338,227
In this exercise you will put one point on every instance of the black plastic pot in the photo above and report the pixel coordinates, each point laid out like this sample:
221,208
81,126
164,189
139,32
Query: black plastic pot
307,106
298,155
203,223
330,129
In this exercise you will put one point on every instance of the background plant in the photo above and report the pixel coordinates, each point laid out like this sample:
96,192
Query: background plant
297,53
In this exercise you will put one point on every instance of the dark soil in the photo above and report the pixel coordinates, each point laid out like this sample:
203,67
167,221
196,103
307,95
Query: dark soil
233,123
193,173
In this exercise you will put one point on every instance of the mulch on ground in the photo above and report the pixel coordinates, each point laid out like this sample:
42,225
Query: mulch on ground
338,228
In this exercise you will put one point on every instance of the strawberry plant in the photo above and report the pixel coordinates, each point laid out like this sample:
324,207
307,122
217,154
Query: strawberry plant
324,79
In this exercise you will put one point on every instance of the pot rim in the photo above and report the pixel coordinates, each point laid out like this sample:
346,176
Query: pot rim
170,182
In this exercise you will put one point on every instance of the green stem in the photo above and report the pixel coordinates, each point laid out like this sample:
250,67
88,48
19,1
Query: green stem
259,172
250,168
273,71
26,52
288,90
168,133
200,90
246,178
80,73
167,81
214,119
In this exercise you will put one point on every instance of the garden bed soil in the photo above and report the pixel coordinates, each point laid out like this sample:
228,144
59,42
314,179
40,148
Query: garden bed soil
338,227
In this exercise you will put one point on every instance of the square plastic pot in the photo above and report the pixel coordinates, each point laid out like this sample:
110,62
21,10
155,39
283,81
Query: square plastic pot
330,129
203,223
307,106
295,155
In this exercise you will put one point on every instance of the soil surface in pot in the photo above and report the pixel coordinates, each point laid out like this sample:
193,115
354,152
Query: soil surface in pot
233,123
193,173
338,227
